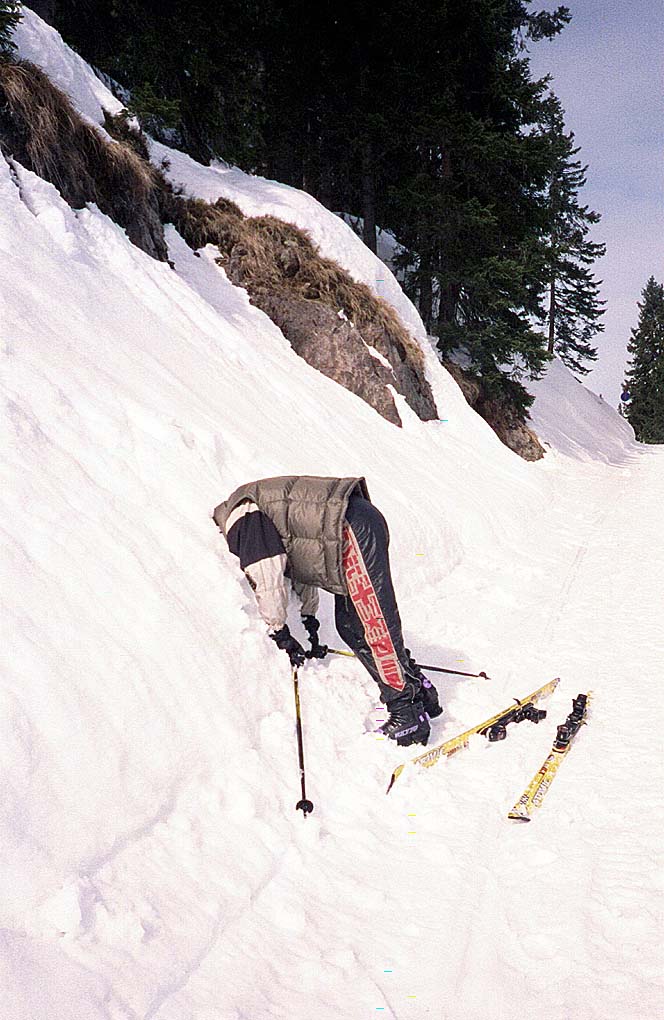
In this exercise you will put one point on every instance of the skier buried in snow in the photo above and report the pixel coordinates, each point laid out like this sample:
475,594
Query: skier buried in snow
310,533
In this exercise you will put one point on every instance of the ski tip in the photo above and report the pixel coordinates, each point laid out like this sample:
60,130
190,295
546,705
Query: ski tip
515,817
395,775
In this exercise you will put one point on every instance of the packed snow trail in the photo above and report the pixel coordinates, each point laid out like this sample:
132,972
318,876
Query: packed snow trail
576,896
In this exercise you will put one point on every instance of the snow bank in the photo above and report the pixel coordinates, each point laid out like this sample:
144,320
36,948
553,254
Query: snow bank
576,422
140,695
38,42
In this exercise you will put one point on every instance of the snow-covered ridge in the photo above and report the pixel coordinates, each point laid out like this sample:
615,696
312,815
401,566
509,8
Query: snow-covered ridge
576,422
38,42
153,865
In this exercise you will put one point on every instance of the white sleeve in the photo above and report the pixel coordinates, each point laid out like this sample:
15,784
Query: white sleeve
268,581
252,537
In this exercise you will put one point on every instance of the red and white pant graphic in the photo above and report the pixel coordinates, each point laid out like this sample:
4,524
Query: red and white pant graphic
365,601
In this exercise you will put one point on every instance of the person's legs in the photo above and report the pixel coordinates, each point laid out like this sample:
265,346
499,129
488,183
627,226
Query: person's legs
351,631
367,572
369,622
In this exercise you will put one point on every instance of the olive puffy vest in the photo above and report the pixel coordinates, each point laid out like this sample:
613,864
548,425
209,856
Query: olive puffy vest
308,512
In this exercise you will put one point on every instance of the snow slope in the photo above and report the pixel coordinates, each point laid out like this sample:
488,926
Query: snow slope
574,421
153,865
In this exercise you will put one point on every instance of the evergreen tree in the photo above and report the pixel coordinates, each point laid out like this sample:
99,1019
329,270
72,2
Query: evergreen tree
468,203
331,89
10,15
190,67
645,373
572,302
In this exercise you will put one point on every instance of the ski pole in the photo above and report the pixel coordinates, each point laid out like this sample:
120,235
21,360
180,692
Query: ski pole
457,672
432,669
303,805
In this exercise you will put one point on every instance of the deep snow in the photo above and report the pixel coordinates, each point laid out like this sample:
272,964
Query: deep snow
153,864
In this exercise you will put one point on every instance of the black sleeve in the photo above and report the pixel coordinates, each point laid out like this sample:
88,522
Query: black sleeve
253,537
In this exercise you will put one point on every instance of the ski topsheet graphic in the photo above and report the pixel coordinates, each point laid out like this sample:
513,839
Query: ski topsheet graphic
494,728
535,792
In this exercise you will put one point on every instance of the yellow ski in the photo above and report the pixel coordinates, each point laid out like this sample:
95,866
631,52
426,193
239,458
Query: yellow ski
493,727
535,792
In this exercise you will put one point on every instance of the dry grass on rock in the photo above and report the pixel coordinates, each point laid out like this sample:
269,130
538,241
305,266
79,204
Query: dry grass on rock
330,319
41,129
201,223
279,252
310,298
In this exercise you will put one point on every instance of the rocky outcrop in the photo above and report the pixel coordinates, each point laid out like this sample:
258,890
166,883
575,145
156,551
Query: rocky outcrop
499,413
339,326
334,346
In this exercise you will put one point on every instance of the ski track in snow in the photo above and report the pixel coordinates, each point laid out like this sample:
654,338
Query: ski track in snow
610,864
153,864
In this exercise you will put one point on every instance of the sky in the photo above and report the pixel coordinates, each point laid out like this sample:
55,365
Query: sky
608,70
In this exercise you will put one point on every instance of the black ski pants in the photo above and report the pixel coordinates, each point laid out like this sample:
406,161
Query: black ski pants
368,617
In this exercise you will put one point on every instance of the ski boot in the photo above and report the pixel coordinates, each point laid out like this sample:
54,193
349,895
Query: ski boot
408,723
429,694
